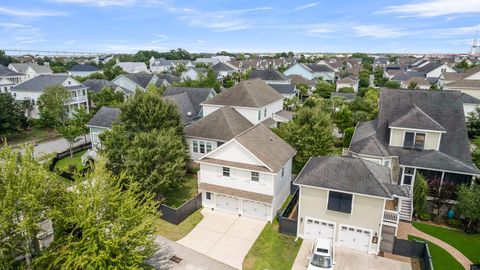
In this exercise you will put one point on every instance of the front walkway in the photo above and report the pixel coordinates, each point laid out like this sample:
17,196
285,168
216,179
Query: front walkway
406,229
223,236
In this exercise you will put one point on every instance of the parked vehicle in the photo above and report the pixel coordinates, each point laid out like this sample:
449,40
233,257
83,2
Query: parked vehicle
321,256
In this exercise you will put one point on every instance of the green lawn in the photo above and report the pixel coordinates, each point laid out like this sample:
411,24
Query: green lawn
468,244
64,163
176,232
34,134
179,196
442,260
272,250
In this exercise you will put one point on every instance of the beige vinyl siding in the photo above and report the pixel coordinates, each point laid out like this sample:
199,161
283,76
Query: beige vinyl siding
396,137
431,141
367,212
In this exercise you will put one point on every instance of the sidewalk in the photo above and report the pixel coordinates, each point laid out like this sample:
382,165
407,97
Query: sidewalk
405,229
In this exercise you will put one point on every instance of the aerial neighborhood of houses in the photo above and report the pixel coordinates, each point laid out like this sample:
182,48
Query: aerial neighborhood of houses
292,161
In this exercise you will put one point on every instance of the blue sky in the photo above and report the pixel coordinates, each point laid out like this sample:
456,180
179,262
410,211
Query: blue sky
427,26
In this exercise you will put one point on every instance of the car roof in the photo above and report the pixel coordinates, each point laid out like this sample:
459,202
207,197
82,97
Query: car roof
323,247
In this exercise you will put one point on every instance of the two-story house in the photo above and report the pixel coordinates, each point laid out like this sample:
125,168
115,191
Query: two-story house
418,132
134,81
348,82
34,88
9,78
158,65
248,175
277,80
133,67
349,201
188,101
253,99
30,69
312,71
83,70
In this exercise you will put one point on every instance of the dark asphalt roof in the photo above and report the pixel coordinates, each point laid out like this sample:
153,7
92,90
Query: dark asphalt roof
84,67
6,72
416,118
286,89
184,106
142,79
39,83
220,66
346,174
222,125
169,78
466,98
407,75
268,75
195,95
105,117
96,85
319,68
445,108
346,96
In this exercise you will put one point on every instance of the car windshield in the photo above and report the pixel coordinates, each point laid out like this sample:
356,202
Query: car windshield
321,261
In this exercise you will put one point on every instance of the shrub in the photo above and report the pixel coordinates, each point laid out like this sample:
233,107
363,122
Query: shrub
72,168
347,137
346,90
457,223
425,217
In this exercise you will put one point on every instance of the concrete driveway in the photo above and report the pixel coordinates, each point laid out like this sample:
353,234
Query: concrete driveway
350,259
224,237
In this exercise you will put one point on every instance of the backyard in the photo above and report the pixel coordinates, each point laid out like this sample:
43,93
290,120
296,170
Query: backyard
272,250
65,163
441,259
178,196
468,244
177,232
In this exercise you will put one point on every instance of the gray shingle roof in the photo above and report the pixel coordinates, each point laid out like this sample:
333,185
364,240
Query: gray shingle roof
220,66
298,79
196,95
466,98
407,75
252,93
84,67
262,142
319,68
96,85
105,117
39,83
346,174
184,106
444,107
22,67
285,89
142,79
221,125
169,78
285,114
268,75
417,119
6,72
346,96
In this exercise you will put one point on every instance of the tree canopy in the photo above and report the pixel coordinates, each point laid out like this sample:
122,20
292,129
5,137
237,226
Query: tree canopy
51,105
12,114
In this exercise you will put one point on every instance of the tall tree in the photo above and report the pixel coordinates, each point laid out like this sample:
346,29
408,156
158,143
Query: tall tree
324,89
29,194
107,222
310,133
51,105
12,114
473,123
80,119
420,193
468,203
70,132
107,97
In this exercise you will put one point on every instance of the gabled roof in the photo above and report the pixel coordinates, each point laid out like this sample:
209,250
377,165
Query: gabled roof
287,115
317,68
40,82
105,117
415,118
347,174
430,67
268,75
348,80
468,99
265,145
168,77
184,106
465,84
6,72
84,67
220,66
141,79
22,67
96,85
407,75
298,79
346,96
222,125
252,93
195,95
285,89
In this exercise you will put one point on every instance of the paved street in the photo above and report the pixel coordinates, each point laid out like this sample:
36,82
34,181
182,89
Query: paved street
223,236
56,146
191,260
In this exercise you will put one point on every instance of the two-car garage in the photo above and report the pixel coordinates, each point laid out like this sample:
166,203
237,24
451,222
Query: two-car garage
345,235
239,206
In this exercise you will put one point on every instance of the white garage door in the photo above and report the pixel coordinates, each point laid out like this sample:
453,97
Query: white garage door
355,238
315,228
226,203
256,209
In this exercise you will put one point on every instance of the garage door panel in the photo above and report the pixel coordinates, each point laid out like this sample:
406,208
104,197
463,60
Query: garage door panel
355,238
315,229
256,209
226,203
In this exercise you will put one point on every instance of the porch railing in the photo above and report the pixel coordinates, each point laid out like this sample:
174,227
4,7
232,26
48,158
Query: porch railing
391,216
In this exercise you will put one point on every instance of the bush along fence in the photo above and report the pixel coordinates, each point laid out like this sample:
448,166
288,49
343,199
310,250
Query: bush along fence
59,156
287,219
414,249
177,215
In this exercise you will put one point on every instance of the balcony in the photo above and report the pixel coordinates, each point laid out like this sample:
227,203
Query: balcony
391,217
76,100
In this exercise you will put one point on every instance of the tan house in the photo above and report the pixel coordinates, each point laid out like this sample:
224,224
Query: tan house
349,200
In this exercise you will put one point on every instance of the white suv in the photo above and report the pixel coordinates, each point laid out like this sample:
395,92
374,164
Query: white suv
321,256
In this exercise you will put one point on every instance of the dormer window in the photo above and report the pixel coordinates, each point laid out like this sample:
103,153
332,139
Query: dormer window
414,140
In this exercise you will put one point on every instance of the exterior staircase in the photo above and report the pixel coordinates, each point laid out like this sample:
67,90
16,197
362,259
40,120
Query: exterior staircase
406,209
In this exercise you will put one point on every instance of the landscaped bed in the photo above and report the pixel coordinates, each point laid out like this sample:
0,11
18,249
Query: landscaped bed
272,250
65,163
179,196
467,244
177,232
441,259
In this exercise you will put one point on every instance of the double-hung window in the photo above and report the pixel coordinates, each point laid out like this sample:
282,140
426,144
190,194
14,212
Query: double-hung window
414,140
254,176
226,171
265,112
202,147
195,146
259,115
209,146
340,202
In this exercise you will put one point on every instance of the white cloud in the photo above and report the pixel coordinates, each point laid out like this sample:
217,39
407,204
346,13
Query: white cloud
13,25
377,31
99,3
201,41
311,5
30,13
70,42
434,8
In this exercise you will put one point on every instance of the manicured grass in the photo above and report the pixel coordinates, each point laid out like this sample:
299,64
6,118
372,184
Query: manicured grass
176,197
64,163
272,250
442,260
467,244
34,134
176,232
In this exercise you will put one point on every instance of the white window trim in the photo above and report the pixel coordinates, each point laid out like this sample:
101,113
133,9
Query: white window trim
414,139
